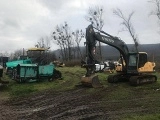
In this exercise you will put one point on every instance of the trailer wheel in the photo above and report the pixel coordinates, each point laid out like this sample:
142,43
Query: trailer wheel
56,75
50,79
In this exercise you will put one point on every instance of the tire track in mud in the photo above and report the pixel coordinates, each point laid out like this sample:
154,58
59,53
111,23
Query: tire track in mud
65,105
70,105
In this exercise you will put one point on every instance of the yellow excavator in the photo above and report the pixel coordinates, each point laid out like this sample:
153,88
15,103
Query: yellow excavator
134,66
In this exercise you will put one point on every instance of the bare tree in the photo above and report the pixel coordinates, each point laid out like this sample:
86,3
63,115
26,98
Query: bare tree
126,22
17,54
5,54
47,42
95,16
156,12
40,43
78,34
43,42
157,8
11,56
64,39
59,40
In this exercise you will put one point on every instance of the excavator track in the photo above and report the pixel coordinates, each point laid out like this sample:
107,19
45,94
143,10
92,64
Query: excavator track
134,80
117,78
113,78
142,79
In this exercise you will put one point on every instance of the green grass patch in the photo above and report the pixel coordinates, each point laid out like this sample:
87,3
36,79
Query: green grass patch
70,77
143,117
22,90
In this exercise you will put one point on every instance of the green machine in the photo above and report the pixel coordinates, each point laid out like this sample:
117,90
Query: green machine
35,68
25,72
13,64
34,72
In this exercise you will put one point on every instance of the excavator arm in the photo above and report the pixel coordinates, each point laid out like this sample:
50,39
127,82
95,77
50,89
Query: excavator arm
92,37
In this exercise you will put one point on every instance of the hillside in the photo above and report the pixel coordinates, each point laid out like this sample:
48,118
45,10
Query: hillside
109,52
151,49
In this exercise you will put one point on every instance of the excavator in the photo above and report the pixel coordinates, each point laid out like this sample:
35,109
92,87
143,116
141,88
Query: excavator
134,66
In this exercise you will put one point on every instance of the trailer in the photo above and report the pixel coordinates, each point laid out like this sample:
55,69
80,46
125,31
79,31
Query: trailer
2,82
33,72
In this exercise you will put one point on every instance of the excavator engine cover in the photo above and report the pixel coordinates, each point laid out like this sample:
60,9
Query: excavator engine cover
91,81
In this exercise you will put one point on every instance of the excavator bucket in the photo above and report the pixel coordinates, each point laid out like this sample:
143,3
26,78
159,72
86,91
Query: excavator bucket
91,81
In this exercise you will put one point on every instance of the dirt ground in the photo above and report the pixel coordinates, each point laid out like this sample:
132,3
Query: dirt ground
72,105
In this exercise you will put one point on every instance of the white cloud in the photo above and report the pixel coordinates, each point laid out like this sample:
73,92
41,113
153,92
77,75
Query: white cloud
23,22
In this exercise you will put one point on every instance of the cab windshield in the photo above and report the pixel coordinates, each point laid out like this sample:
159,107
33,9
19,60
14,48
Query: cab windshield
132,60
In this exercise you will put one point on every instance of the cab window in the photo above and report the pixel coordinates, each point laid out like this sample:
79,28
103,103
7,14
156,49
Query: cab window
132,60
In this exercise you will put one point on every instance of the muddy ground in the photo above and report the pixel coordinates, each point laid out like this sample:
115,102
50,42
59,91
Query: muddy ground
76,104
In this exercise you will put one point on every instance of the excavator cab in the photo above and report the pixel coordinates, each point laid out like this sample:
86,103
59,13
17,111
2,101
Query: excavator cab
133,59
138,63
38,55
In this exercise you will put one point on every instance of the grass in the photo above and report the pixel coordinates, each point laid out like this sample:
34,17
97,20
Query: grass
71,77
115,96
146,117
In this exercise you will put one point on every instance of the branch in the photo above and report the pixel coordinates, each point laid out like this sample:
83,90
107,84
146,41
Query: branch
126,22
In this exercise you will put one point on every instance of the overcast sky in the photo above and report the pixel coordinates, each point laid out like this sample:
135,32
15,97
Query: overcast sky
23,22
